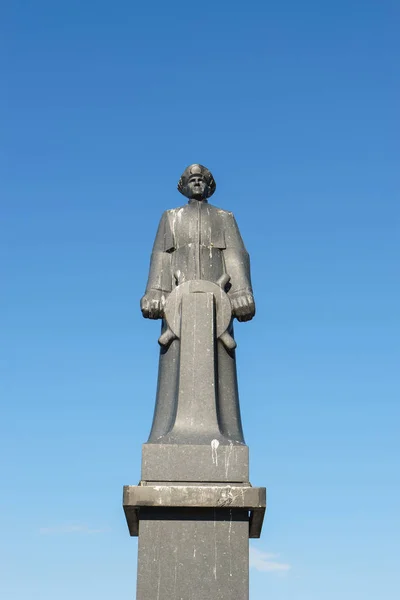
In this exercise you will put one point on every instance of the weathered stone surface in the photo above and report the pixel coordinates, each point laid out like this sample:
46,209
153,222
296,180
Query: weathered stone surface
213,462
217,497
196,416
193,554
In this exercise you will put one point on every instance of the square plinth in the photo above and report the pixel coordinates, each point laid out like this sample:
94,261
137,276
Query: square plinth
198,463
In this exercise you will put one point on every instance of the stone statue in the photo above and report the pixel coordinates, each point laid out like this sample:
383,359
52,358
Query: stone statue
194,509
199,280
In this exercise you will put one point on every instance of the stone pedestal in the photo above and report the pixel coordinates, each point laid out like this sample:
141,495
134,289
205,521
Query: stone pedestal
193,555
193,540
195,509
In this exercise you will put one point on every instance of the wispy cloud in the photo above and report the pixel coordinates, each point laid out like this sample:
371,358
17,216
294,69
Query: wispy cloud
266,562
69,528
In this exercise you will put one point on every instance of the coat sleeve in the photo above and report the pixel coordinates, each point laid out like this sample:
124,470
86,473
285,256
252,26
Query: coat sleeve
237,260
160,276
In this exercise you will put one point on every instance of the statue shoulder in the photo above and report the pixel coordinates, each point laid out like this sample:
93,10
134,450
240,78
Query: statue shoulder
220,211
173,212
226,215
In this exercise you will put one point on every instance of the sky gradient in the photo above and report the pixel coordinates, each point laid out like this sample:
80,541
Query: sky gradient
294,108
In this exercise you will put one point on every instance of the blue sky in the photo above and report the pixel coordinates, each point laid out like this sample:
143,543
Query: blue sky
294,108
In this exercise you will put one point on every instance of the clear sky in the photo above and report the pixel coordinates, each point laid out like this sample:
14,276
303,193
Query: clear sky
293,105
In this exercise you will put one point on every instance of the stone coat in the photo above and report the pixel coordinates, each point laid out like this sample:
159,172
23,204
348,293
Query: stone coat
198,241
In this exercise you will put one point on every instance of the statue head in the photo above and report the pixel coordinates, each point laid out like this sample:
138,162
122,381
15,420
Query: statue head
197,182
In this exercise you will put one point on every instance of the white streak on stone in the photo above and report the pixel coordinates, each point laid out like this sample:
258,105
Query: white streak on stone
230,547
228,455
215,541
176,569
214,453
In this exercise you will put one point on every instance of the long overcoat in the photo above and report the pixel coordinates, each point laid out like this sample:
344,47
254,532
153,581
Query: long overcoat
198,241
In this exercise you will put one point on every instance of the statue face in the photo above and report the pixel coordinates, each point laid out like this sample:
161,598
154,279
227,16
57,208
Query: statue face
197,187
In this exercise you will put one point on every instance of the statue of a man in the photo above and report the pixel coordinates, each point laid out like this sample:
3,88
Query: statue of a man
198,241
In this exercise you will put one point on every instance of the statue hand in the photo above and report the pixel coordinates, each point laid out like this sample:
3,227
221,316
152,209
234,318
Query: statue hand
152,304
243,307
